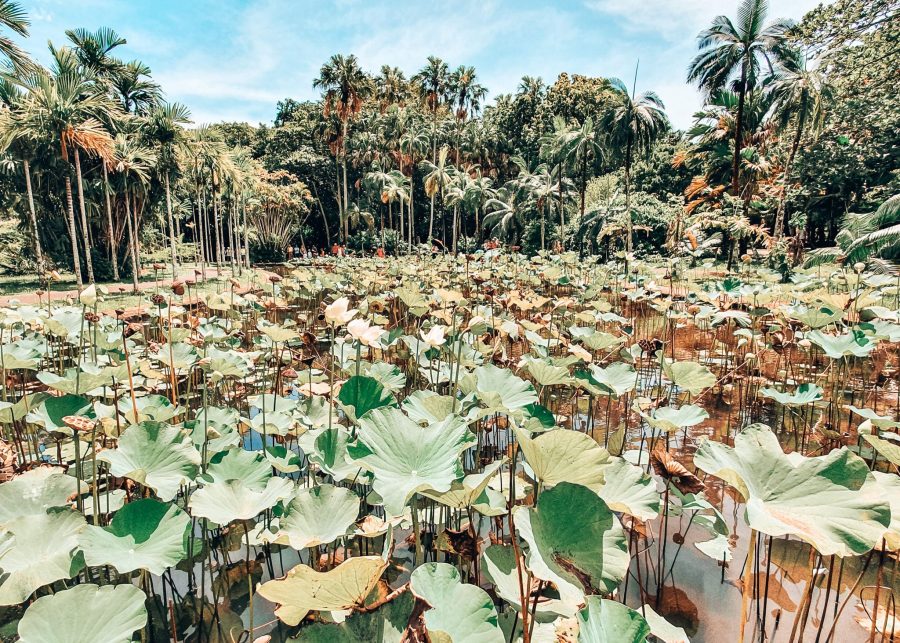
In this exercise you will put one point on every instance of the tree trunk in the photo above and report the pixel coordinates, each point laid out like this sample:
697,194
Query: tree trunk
562,210
171,229
344,164
738,131
33,215
779,216
431,219
412,176
70,212
132,238
321,211
247,236
84,224
201,237
218,237
583,185
113,249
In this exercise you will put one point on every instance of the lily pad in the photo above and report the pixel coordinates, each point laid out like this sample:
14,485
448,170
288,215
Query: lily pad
458,611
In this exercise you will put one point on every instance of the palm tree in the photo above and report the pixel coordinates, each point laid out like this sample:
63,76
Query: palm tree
132,85
391,87
734,54
14,135
436,179
581,146
503,213
432,83
163,128
800,95
346,86
633,126
134,162
466,93
479,191
14,18
554,150
69,107
866,237
92,49
413,144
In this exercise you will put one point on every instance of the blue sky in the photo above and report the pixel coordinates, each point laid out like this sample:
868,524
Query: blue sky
234,59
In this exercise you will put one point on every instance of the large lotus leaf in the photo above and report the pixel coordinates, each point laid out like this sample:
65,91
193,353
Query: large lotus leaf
178,355
222,364
275,332
806,393
314,412
626,488
22,353
222,502
77,381
459,611
562,455
10,413
318,516
670,419
387,624
815,317
499,389
662,629
885,448
362,394
145,534
85,614
577,537
548,374
831,501
391,377
689,376
466,492
605,621
156,455
271,423
50,412
499,565
616,380
153,408
406,458
304,589
283,459
250,467
332,456
426,406
38,549
33,493
854,343
890,486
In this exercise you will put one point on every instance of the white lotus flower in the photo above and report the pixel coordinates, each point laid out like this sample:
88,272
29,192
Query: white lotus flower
364,333
88,296
338,313
435,337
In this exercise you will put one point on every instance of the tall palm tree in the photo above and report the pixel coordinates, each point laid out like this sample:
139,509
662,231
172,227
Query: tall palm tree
133,87
554,150
432,83
93,49
413,145
163,128
633,126
69,107
437,178
735,54
466,93
583,146
134,162
346,86
14,18
801,96
391,87
479,191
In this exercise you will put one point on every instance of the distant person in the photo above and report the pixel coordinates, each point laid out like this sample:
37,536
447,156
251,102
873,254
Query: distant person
335,248
380,252
290,252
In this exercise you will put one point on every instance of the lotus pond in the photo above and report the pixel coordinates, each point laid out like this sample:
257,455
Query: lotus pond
471,449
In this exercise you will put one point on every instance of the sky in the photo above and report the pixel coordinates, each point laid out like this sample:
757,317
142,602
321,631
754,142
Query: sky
235,59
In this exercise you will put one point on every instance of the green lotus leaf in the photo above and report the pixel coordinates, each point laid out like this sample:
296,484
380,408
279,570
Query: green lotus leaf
669,418
886,448
806,393
318,516
466,492
22,353
426,406
250,467
890,487
498,562
615,380
33,493
852,344
547,374
562,455
152,408
662,629
145,534
880,421
314,412
271,423
718,547
627,489
222,502
831,502
224,364
387,624
361,394
283,459
458,611
85,614
814,317
500,390
688,376
339,590
74,382
604,621
575,537
156,455
332,455
390,377
217,427
50,412
38,549
10,413
406,458
276,332
178,355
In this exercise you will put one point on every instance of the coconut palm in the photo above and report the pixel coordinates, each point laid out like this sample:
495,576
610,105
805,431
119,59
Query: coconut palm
413,145
14,18
633,126
346,86
583,146
391,87
68,108
869,237
131,85
437,177
93,49
801,97
163,128
554,148
432,83
134,163
466,93
478,192
734,54
503,214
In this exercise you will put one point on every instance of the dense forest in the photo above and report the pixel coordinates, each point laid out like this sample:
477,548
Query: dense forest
795,145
